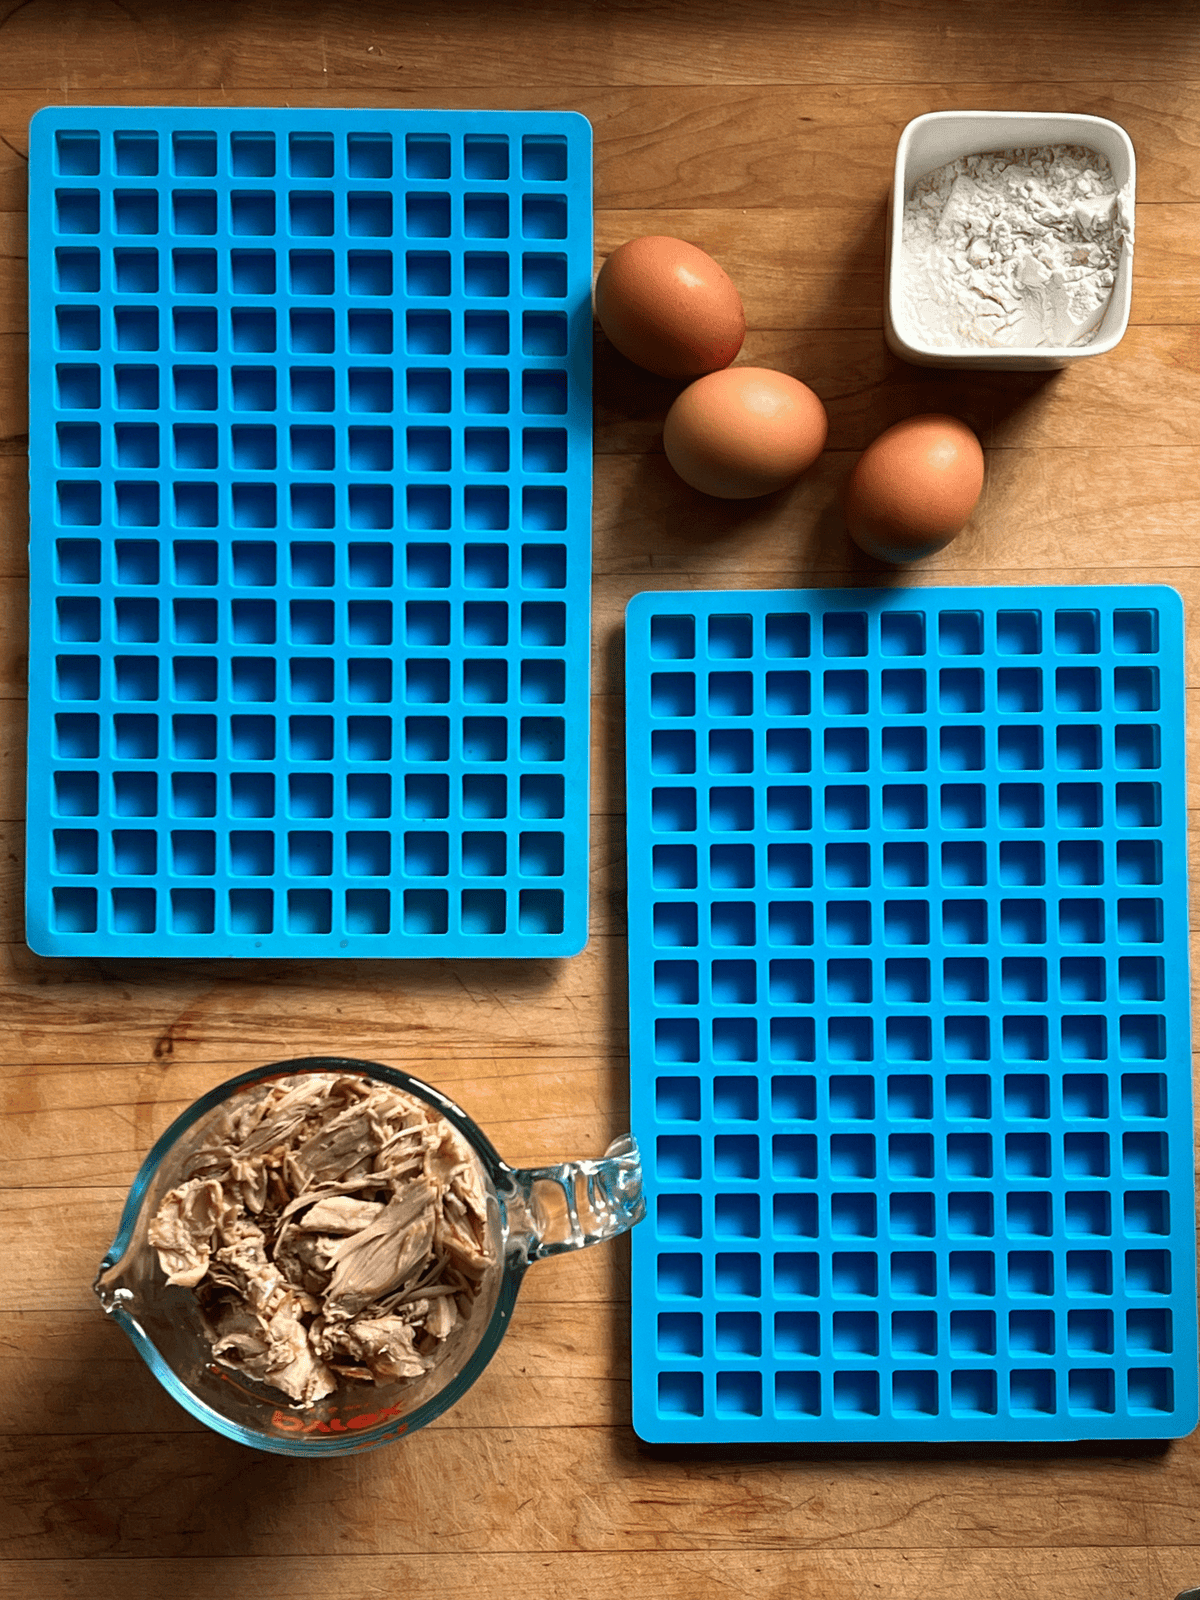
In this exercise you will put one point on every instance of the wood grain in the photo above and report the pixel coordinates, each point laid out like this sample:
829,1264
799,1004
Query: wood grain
569,1487
672,1575
764,130
372,45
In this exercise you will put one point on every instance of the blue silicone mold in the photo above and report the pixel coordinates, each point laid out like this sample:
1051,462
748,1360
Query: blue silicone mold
910,1055
310,532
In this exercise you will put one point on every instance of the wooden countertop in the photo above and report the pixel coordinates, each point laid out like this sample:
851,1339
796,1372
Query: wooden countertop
765,131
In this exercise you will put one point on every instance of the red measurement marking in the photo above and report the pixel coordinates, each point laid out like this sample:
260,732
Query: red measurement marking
284,1422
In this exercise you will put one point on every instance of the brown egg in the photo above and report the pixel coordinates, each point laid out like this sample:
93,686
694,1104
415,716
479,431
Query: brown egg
669,307
914,488
744,432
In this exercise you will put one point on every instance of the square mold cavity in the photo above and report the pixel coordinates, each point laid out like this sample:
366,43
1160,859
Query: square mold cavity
940,137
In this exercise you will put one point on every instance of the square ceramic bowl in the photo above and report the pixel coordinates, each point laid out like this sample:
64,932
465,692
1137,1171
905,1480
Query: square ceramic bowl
934,140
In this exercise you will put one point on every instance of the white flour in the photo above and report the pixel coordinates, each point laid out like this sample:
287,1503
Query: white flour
1015,247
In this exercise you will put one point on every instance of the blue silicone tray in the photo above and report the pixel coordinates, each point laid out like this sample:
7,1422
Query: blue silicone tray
908,980
310,454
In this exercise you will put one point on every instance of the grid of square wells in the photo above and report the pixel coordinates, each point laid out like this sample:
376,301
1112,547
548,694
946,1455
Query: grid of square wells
909,1003
255,753
318,480
261,277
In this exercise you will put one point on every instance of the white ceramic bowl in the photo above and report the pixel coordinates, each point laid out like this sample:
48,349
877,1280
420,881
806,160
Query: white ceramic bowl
930,142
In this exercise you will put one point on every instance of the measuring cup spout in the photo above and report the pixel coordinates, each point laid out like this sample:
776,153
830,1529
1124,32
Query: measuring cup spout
112,1293
551,1210
120,1278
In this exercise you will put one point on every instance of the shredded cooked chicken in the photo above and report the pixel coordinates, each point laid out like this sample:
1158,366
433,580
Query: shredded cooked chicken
333,1229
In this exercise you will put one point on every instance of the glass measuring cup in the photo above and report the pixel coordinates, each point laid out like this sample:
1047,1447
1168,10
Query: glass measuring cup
531,1213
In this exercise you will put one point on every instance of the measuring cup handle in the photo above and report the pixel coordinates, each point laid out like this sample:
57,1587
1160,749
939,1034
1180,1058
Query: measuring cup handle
577,1203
